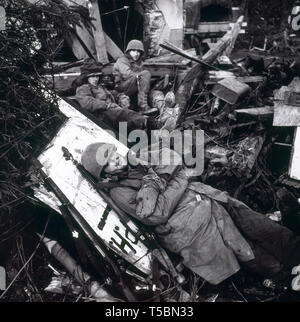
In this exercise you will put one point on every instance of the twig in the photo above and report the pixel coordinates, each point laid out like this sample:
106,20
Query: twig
28,261
240,294
27,134
22,257
125,31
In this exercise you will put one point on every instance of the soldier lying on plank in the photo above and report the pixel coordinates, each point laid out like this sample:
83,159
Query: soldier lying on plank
214,233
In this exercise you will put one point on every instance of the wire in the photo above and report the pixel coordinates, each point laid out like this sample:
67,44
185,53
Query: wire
126,26
120,9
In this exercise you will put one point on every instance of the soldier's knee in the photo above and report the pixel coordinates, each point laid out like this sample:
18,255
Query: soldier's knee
145,74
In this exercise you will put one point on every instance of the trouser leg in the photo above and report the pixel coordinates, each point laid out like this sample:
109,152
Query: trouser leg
277,240
141,86
144,78
134,120
129,87
144,81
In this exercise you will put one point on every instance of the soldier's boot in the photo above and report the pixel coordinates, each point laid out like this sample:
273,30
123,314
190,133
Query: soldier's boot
143,101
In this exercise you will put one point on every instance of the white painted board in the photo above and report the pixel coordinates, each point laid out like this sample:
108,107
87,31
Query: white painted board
295,158
75,135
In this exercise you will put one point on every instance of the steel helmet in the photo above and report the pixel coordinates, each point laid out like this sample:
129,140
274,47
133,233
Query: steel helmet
95,157
135,45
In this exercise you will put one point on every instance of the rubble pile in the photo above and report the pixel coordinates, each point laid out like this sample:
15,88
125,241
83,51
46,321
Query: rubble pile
235,108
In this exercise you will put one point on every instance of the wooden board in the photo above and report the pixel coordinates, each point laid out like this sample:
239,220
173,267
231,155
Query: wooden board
2,279
173,14
285,113
294,170
266,111
99,37
86,38
207,28
77,132
2,18
113,50
243,79
171,58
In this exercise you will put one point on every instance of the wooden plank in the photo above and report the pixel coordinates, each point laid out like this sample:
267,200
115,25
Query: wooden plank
80,53
243,79
72,2
172,57
77,45
294,170
163,70
265,112
98,33
213,28
224,42
286,115
2,279
250,79
166,64
75,134
2,18
113,50
183,53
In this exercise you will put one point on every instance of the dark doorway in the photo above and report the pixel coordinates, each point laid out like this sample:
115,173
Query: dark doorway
122,24
214,13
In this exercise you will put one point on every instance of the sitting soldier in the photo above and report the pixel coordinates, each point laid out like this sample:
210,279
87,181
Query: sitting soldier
95,98
131,78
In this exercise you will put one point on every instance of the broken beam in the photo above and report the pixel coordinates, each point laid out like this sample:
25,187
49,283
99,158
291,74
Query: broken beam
182,53
98,33
243,79
266,111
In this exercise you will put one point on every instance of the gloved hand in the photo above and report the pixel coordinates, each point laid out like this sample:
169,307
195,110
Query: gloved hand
147,196
146,200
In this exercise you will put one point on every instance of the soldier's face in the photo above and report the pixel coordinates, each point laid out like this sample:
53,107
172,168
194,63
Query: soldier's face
135,54
116,163
93,80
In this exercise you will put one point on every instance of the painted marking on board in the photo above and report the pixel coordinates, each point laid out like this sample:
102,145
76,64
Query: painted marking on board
123,243
136,235
104,216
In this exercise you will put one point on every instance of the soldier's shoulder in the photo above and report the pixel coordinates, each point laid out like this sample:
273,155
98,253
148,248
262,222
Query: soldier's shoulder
122,59
83,88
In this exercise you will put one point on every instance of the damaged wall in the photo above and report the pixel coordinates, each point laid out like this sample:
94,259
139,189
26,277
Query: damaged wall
163,21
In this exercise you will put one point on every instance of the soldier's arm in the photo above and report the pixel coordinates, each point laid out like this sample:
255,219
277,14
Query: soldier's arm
87,101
